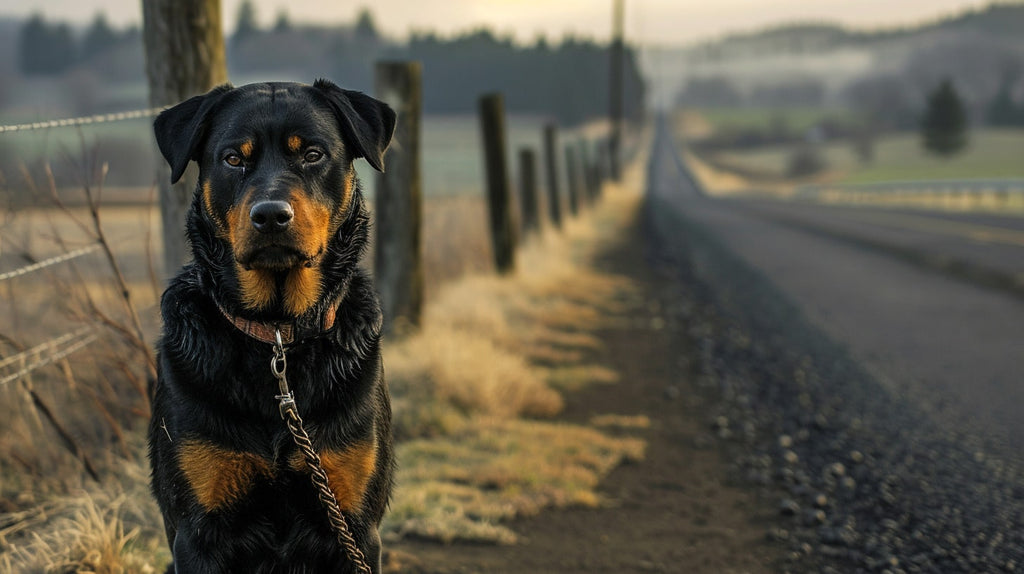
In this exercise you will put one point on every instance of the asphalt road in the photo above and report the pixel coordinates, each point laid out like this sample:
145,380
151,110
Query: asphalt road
930,304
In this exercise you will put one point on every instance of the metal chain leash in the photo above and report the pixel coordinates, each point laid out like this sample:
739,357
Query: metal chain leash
290,414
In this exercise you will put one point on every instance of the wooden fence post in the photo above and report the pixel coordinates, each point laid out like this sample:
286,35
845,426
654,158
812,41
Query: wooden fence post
616,96
589,185
528,190
499,197
398,208
184,45
574,179
551,155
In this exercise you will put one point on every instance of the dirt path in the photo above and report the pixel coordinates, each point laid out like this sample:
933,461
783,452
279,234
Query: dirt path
673,512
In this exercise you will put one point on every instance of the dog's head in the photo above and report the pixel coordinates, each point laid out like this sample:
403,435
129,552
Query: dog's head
276,181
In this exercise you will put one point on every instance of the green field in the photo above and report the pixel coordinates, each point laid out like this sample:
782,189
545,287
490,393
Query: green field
991,154
452,153
796,119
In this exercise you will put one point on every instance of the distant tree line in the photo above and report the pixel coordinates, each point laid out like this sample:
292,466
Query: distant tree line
998,21
568,81
46,48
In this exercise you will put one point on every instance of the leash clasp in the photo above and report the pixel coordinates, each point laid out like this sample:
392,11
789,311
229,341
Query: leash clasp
278,367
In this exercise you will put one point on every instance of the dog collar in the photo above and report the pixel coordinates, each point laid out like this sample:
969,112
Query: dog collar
291,331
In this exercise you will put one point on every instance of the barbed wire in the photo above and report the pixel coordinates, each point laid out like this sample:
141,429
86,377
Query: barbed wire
57,355
48,262
43,346
81,121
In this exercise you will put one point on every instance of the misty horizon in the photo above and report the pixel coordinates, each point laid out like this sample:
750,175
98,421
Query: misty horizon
656,23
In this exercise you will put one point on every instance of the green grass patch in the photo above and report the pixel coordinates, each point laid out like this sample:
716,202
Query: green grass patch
795,119
991,154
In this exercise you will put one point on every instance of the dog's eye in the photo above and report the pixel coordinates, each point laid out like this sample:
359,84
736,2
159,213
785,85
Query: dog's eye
234,160
312,156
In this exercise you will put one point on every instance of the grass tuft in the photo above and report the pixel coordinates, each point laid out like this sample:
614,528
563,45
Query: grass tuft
495,469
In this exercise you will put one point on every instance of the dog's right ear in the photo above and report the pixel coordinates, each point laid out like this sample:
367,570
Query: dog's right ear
180,129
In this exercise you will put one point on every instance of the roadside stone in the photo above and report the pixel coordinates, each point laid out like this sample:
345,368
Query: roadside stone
788,507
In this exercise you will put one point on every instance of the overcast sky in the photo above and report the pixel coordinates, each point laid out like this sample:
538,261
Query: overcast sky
648,21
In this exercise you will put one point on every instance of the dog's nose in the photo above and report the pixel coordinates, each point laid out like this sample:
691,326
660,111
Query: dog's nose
271,216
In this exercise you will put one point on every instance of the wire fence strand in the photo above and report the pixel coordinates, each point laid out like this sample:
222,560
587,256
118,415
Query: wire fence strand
48,262
84,336
82,121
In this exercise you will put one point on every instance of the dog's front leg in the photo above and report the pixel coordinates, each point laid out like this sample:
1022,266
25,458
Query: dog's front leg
373,550
188,559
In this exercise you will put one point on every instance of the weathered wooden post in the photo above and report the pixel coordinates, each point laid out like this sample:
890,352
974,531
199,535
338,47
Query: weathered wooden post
589,185
551,155
528,191
499,196
574,179
184,45
398,208
616,88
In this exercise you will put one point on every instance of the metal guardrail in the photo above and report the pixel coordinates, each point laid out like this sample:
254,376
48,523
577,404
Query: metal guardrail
943,186
998,195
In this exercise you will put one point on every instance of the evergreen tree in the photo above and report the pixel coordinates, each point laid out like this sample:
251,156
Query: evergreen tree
283,22
366,27
1003,111
944,129
98,38
45,49
245,25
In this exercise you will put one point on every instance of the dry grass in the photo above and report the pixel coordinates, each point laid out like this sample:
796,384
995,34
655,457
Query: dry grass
111,529
495,469
621,422
494,349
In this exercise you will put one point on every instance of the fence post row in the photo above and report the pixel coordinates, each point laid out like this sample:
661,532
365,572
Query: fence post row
551,155
530,209
184,45
398,265
499,197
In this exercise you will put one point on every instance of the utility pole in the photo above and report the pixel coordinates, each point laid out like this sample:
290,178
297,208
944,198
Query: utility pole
616,90
184,57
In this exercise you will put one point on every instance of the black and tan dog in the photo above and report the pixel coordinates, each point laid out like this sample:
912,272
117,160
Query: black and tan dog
277,226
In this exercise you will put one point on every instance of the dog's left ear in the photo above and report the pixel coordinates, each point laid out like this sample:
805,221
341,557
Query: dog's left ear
366,123
179,130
